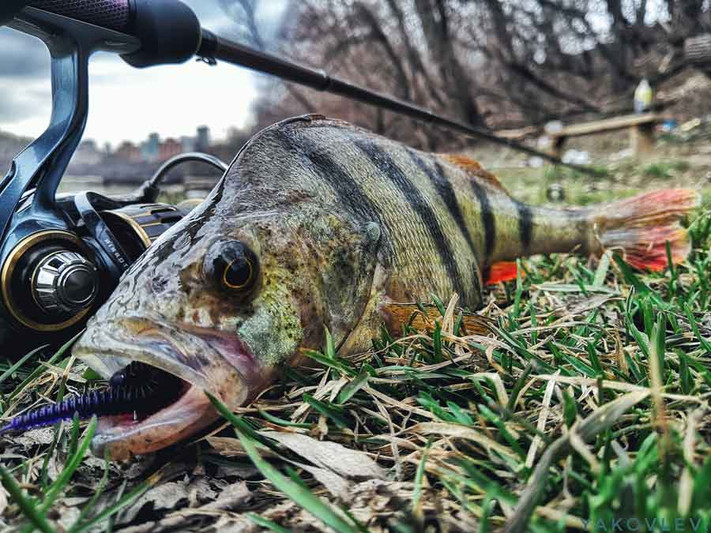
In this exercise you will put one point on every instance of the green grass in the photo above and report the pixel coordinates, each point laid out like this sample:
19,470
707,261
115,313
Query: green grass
588,405
658,170
558,172
680,165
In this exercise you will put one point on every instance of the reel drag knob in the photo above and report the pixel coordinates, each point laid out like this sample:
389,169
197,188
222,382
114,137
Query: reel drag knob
49,282
65,282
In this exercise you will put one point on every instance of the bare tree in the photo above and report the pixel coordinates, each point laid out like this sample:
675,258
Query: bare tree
492,63
244,13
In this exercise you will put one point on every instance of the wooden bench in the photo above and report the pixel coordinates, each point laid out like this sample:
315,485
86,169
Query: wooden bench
641,128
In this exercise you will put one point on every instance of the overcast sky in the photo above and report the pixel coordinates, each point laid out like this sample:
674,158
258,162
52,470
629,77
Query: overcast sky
128,103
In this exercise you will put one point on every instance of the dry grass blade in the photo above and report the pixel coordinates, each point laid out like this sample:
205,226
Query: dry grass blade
586,429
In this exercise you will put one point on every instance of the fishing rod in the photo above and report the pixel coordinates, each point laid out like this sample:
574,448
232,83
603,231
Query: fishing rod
214,48
62,255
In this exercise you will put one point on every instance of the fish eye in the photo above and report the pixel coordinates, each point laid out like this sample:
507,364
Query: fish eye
237,273
232,266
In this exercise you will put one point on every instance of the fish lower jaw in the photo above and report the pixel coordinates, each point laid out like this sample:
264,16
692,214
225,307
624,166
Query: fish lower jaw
122,436
174,417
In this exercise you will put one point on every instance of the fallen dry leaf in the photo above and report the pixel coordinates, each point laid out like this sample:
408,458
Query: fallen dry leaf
335,484
163,496
230,497
346,462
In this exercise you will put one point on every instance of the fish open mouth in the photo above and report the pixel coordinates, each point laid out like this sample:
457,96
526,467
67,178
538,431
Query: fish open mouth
143,409
166,373
169,411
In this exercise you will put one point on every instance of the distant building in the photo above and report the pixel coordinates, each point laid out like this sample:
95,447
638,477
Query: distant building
202,142
188,143
153,149
150,150
129,152
87,153
169,148
10,146
89,145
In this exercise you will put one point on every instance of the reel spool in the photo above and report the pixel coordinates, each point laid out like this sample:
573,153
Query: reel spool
51,280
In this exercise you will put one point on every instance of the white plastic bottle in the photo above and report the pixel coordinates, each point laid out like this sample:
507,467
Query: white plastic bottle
643,97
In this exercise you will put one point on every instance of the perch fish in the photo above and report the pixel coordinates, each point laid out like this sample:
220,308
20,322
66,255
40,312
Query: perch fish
319,224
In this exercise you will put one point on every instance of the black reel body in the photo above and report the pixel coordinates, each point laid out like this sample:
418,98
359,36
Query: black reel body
61,256
52,280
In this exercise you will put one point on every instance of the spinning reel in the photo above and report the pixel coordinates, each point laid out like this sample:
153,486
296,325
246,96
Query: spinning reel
61,256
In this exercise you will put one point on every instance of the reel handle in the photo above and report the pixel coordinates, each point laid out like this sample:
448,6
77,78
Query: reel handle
111,14
168,30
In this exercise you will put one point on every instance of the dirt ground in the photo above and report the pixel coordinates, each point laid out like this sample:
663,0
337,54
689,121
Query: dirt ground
679,160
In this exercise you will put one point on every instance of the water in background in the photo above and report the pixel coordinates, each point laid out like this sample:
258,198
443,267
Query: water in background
192,188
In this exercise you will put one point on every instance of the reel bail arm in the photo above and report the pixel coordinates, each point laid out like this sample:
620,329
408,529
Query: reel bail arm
50,276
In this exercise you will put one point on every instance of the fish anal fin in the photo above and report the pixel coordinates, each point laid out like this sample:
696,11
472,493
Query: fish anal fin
500,272
425,317
474,169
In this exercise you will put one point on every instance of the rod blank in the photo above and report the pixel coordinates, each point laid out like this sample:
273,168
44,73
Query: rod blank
216,48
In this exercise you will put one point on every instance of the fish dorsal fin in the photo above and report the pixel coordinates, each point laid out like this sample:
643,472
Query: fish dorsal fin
474,169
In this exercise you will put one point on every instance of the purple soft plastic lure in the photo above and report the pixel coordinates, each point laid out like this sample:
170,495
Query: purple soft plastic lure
138,388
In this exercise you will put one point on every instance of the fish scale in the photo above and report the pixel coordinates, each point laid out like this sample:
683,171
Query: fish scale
423,237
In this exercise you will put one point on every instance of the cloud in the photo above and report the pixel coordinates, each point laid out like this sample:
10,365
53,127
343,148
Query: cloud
171,100
22,56
16,107
126,103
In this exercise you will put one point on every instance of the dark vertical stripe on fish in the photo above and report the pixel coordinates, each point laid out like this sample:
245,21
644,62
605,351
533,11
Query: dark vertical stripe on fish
341,182
446,191
487,219
444,188
385,164
525,226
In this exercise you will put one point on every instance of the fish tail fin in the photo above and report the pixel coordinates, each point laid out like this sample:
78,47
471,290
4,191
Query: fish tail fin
640,227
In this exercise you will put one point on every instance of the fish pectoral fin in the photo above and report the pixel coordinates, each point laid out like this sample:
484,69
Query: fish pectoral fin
474,169
425,317
500,272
